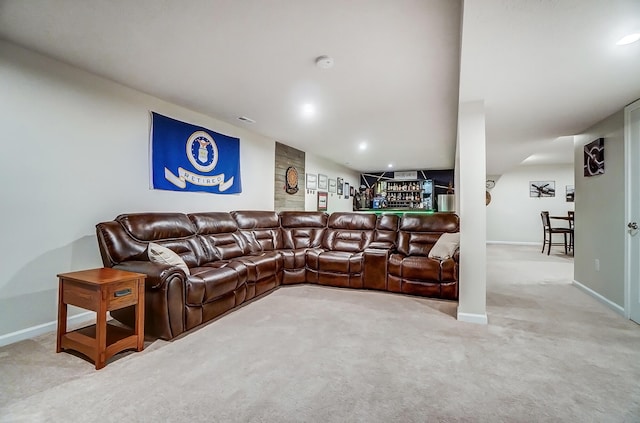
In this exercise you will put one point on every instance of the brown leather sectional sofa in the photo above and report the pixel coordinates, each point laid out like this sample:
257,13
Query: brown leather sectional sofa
234,257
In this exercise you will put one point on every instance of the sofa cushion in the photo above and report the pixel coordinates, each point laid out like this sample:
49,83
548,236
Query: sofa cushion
348,241
159,254
350,232
338,262
419,232
354,221
155,226
294,259
252,219
117,246
302,237
438,223
206,284
171,230
445,246
302,229
387,230
213,223
420,268
219,235
303,219
262,265
261,229
225,246
416,243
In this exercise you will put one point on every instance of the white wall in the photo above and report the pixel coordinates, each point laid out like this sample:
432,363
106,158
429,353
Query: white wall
471,167
600,224
315,165
74,153
513,215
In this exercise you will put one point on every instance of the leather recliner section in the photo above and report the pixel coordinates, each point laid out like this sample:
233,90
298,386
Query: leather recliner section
237,256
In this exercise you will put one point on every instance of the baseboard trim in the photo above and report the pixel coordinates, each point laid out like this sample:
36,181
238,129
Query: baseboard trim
513,243
34,331
615,307
480,319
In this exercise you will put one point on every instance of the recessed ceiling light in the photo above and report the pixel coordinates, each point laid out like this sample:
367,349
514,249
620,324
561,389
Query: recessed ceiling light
628,39
363,146
308,110
389,165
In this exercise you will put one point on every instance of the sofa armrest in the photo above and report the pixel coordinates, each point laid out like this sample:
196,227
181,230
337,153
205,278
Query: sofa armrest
456,255
382,245
374,272
157,273
164,299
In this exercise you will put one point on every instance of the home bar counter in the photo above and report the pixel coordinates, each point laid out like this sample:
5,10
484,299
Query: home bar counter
398,211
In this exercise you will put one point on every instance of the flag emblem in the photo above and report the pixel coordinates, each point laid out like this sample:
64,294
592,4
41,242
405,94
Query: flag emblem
186,157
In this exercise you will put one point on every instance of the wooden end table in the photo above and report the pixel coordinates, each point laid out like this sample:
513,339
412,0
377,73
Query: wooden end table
101,290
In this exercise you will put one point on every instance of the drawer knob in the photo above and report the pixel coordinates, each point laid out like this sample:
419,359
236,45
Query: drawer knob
122,292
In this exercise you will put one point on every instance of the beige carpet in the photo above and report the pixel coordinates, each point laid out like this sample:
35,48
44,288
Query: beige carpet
316,354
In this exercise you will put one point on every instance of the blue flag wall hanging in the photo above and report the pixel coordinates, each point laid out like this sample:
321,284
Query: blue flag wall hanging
186,157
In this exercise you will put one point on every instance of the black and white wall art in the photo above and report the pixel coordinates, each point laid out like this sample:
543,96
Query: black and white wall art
540,189
594,158
570,193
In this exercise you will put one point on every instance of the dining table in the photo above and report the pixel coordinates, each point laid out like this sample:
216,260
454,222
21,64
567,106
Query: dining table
566,218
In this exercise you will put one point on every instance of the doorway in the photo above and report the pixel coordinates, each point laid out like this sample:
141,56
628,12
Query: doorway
632,211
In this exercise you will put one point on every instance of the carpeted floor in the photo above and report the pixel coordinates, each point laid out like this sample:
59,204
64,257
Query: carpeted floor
315,354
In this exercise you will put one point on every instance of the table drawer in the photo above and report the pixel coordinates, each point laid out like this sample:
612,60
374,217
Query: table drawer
80,295
122,294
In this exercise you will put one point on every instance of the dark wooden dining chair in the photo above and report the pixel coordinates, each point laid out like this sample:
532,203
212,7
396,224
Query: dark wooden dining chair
549,231
571,214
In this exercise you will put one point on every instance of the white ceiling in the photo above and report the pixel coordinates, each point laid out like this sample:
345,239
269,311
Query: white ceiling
545,68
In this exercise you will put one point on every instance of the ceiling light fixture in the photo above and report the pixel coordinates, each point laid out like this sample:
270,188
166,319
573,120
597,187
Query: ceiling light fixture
308,110
628,39
389,165
324,62
363,146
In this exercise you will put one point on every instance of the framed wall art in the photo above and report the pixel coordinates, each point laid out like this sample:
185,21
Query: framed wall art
311,181
541,189
322,181
291,180
594,158
570,194
340,183
322,201
332,185
346,190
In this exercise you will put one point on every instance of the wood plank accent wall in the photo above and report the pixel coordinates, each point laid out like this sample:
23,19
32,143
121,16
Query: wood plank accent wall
288,156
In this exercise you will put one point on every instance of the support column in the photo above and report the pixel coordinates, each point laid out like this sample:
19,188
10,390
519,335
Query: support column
470,187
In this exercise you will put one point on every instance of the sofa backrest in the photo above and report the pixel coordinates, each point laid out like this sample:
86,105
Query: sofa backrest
387,229
128,236
350,232
203,237
418,232
302,229
261,229
218,232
